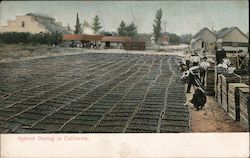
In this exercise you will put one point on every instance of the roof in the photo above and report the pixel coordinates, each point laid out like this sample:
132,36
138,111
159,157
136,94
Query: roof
50,24
223,32
69,37
54,27
116,39
92,37
198,39
201,31
40,16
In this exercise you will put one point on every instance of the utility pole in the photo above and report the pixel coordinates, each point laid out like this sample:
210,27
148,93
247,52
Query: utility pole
212,26
165,25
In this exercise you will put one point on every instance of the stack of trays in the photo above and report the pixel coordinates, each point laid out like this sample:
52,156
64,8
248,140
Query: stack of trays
209,81
219,93
234,99
244,79
244,108
225,80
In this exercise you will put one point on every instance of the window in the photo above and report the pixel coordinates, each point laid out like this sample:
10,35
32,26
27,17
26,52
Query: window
23,24
202,45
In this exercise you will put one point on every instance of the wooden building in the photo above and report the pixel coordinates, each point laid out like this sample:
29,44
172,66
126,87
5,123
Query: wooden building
202,40
116,41
232,40
34,23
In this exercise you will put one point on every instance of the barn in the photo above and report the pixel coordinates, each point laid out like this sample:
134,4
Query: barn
34,23
232,40
202,40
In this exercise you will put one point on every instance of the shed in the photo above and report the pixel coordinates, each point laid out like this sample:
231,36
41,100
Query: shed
232,40
72,37
202,40
117,40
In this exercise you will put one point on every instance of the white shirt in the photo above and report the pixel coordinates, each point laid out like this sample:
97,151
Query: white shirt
226,61
195,59
194,70
204,65
223,65
187,57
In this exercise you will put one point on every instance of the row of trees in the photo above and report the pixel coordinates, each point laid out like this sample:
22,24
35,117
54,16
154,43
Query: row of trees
96,25
131,29
123,29
173,38
28,38
127,30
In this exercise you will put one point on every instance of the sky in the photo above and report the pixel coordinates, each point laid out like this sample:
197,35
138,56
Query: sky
180,16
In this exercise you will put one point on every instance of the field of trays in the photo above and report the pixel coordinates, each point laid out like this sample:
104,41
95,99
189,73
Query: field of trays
93,93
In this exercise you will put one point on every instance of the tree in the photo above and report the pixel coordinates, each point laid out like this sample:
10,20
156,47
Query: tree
185,38
68,27
157,25
174,39
78,25
122,29
96,25
131,30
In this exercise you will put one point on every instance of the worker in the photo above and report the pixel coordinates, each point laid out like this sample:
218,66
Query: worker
182,66
195,59
199,98
185,75
193,75
203,69
220,55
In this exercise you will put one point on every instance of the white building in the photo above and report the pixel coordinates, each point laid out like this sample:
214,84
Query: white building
202,40
34,23
232,40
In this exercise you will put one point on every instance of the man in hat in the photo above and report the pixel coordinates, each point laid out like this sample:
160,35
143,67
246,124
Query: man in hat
195,59
182,66
193,76
203,68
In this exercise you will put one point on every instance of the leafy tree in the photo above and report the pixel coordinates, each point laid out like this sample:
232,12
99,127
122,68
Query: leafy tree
174,39
96,25
131,30
122,29
68,27
78,25
185,38
28,38
157,25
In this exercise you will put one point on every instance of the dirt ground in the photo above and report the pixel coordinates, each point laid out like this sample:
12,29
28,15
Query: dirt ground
212,118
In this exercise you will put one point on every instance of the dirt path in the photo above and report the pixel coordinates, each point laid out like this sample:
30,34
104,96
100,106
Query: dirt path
212,118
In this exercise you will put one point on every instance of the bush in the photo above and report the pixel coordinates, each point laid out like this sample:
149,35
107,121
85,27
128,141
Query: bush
28,38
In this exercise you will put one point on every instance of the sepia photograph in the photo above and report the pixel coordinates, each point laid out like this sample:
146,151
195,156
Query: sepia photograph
77,71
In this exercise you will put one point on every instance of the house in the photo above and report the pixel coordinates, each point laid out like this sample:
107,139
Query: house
34,23
96,40
116,41
202,41
232,39
81,40
164,39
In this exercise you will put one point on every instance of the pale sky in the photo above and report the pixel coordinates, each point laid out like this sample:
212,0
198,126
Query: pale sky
181,16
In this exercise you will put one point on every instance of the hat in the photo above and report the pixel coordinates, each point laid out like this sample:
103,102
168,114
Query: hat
204,57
